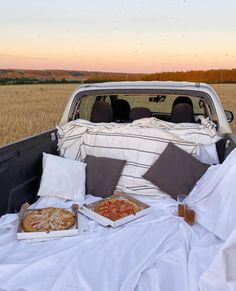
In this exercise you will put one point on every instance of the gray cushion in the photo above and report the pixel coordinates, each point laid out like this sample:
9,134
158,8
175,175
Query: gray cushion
102,175
176,171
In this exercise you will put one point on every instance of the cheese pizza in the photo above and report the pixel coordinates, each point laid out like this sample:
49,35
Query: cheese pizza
115,209
47,219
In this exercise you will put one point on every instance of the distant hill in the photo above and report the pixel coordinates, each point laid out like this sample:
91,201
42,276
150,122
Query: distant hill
42,76
15,76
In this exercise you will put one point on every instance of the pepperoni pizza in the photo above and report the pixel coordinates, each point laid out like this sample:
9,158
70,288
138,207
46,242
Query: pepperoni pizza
115,209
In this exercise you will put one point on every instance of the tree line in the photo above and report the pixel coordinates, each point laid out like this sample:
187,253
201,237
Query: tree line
22,81
208,76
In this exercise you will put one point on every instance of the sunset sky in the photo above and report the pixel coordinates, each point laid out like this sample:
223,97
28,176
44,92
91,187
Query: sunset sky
118,36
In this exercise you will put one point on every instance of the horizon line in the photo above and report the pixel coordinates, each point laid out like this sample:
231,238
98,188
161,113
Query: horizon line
110,72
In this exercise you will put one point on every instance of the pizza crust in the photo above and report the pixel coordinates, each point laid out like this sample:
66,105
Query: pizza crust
48,219
115,209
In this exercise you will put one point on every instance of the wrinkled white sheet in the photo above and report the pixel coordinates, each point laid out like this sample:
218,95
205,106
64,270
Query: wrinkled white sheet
214,197
221,275
156,252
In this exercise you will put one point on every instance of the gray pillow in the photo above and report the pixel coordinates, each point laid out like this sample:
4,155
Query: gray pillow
176,171
102,175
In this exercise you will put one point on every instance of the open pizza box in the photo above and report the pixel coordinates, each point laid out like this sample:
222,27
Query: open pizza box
78,228
88,210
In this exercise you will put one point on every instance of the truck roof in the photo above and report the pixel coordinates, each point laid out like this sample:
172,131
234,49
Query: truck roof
145,84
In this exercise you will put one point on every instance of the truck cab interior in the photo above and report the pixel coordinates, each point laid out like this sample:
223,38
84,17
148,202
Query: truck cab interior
124,108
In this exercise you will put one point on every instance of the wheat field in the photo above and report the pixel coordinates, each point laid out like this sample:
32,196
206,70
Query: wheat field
30,109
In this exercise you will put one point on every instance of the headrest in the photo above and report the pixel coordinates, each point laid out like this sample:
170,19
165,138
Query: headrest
101,112
139,112
121,110
182,112
182,99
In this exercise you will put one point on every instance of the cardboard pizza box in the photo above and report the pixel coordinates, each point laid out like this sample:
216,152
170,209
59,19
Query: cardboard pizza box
78,228
88,210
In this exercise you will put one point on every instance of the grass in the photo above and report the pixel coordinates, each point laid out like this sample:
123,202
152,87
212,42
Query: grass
30,109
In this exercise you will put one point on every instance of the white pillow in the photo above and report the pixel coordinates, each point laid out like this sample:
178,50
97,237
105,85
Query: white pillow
63,178
214,198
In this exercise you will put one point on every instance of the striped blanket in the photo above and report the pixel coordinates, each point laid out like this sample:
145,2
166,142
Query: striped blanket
140,143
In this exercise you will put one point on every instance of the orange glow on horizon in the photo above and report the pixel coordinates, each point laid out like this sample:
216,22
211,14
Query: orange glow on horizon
148,57
128,63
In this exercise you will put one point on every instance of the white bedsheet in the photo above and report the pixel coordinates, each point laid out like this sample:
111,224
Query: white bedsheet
221,275
156,252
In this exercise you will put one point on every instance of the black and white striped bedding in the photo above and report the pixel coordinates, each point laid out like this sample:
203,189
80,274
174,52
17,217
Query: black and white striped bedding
139,143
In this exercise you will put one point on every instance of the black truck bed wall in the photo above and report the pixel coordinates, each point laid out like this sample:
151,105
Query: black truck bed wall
21,169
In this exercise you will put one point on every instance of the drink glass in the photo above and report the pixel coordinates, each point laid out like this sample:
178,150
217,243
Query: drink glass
181,205
189,215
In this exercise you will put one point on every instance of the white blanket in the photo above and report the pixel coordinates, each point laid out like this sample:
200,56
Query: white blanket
156,252
221,274
140,143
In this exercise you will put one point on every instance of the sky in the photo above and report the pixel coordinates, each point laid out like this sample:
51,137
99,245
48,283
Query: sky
136,36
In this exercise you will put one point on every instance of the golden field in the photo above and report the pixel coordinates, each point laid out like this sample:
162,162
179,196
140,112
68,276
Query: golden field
30,109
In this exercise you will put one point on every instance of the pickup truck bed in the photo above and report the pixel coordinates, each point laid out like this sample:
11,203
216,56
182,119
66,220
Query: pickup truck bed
20,162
